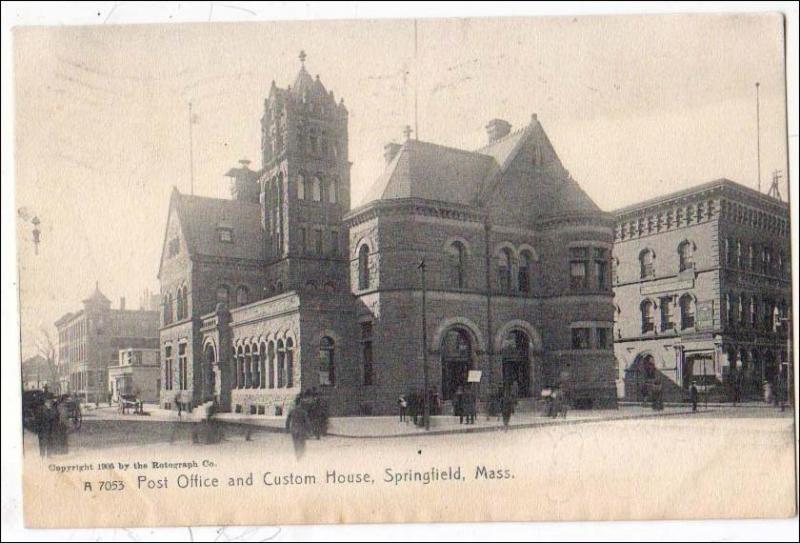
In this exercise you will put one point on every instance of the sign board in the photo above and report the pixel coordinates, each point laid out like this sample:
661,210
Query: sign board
324,378
474,376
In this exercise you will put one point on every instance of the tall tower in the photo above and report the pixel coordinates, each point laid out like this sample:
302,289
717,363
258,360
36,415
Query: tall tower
305,185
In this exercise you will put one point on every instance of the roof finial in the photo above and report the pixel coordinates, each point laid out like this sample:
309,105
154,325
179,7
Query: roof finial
302,58
407,132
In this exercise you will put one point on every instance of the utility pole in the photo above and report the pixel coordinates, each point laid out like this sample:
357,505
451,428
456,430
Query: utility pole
191,152
426,418
758,136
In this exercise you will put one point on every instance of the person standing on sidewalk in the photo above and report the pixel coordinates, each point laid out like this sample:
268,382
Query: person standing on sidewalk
693,395
458,404
506,408
403,405
298,428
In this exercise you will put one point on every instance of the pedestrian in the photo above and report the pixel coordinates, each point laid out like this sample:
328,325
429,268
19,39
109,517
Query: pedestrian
402,403
693,395
109,396
179,405
506,408
58,434
471,406
44,427
458,404
298,428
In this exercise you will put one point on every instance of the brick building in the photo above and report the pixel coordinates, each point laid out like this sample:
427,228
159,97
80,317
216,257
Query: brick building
702,287
90,339
283,287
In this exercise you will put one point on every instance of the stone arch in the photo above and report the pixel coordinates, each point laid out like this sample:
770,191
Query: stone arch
506,245
462,322
531,250
524,326
467,246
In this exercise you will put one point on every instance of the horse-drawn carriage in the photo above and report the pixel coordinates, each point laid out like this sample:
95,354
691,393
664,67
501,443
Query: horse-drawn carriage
35,401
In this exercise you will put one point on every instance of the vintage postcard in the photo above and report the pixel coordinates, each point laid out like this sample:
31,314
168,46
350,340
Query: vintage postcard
394,270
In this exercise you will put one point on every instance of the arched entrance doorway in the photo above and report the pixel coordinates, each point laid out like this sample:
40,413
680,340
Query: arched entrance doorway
210,379
456,361
639,377
516,354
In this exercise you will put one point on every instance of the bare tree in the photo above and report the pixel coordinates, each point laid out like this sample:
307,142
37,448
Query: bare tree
47,350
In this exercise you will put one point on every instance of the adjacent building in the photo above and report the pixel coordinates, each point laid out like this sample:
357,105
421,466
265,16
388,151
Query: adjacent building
138,373
38,372
89,341
703,292
284,287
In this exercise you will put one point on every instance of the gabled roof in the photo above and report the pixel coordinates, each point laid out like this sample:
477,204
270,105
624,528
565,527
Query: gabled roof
433,172
201,218
97,297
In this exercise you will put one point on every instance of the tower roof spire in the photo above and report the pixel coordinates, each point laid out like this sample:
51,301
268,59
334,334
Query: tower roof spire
302,57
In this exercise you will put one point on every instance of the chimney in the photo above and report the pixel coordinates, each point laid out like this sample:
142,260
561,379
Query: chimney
496,129
122,303
390,151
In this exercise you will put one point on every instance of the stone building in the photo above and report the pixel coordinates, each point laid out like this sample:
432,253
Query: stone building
90,339
284,287
702,291
138,373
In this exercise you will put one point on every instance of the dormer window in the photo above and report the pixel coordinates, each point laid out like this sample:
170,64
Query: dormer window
225,234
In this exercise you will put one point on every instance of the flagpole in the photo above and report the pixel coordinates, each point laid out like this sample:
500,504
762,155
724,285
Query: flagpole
191,153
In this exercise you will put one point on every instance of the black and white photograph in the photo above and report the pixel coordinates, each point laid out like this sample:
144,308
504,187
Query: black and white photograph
401,270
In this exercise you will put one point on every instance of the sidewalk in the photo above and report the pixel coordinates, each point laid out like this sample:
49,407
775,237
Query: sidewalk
385,427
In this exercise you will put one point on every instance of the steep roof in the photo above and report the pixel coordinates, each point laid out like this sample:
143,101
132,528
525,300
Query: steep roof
97,297
201,218
433,172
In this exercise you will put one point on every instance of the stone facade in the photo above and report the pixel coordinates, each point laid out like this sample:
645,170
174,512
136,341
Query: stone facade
702,283
516,262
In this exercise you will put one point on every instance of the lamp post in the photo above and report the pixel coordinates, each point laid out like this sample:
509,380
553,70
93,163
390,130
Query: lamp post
426,419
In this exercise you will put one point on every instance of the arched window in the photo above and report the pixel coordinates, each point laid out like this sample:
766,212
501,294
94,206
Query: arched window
363,267
647,268
248,367
289,362
328,362
504,270
179,303
255,368
185,295
316,189
648,319
223,294
686,256
687,311
456,254
301,187
242,295
239,374
524,272
166,309
744,311
280,363
271,364
262,366
333,191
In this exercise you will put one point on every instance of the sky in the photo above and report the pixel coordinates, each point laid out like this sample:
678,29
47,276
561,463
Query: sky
634,106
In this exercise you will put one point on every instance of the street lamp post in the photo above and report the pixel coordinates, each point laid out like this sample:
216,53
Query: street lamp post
426,419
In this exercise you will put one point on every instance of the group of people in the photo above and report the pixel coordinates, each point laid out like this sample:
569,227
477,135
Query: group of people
309,417
412,406
52,427
465,405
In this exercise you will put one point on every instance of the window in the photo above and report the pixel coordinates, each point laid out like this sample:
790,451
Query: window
318,241
185,296
615,270
739,255
363,267
603,338
242,295
223,294
578,268
333,188
327,372
301,187
667,322
303,240
335,242
729,308
686,256
225,235
168,371
366,352
271,364
504,270
601,268
280,363
262,366
183,383
648,322
687,311
524,272
751,257
316,189
744,312
456,255
581,338
289,362
647,268
166,309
